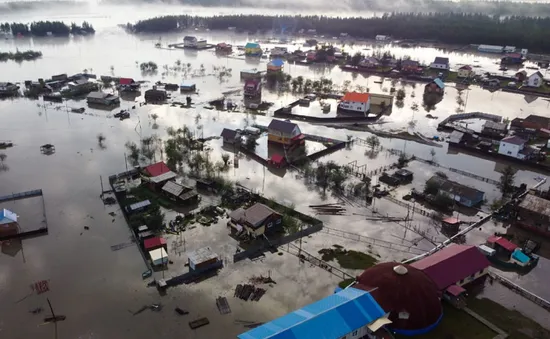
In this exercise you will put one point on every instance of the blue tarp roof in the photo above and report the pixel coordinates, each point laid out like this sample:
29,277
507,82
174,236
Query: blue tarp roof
252,45
439,83
329,318
277,62
520,256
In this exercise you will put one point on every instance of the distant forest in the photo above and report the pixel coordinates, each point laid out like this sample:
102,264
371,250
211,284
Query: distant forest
522,32
43,28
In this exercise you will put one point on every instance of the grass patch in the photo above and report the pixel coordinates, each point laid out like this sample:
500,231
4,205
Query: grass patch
456,324
348,259
142,193
512,322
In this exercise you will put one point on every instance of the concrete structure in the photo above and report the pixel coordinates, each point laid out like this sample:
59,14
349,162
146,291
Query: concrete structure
230,136
351,313
534,214
465,71
408,295
454,267
284,132
275,65
354,102
534,80
512,146
253,49
255,220
464,195
490,49
101,98
440,63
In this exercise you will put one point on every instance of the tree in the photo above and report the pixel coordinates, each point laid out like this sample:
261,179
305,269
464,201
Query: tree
225,159
506,183
3,157
431,187
400,95
373,142
133,153
356,58
101,141
250,143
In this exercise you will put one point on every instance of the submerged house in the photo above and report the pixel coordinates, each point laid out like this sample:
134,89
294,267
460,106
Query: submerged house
275,65
534,214
465,71
252,88
193,42
516,147
436,87
155,95
101,98
411,66
253,49
255,220
128,84
461,194
440,63
285,133
222,47
354,102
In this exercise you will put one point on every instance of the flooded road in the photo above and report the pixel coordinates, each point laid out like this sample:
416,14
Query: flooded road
79,263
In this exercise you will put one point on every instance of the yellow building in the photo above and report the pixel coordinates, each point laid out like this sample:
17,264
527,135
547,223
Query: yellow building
284,132
253,49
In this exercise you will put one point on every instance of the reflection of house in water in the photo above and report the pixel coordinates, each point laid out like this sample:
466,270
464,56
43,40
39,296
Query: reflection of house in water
433,92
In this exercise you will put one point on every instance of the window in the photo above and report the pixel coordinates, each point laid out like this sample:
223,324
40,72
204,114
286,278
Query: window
269,225
278,221
354,332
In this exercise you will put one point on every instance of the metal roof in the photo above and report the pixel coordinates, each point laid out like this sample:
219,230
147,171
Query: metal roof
97,95
140,204
535,204
456,188
173,188
452,264
441,61
201,255
332,317
229,133
282,126
257,213
163,177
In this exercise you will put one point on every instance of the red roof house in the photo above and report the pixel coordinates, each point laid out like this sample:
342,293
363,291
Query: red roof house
126,81
154,243
502,242
356,97
157,169
452,265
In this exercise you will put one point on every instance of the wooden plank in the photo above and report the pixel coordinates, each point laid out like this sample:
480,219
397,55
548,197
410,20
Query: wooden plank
199,323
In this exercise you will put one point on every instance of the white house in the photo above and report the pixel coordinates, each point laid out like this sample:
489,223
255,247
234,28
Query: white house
382,38
440,63
512,146
193,42
355,102
535,79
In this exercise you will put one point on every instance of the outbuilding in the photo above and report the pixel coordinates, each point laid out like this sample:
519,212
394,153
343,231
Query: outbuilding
100,98
187,86
158,257
462,194
354,102
202,259
230,136
154,243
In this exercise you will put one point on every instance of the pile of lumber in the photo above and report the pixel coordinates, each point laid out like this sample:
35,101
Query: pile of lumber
328,209
249,292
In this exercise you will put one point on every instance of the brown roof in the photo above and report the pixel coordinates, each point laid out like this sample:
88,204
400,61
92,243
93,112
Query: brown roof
253,215
282,126
413,293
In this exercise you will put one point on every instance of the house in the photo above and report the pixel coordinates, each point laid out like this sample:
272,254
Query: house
535,80
350,313
461,194
101,98
255,220
251,74
180,193
187,86
230,136
128,84
382,38
203,259
138,207
193,42
410,66
369,62
404,176
275,65
158,257
252,88
512,146
253,49
436,86
512,59
278,51
284,132
440,63
8,223
222,47
521,76
155,95
534,214
465,71
158,174
81,85
8,89
354,102
454,267
533,121
311,56
490,49
492,128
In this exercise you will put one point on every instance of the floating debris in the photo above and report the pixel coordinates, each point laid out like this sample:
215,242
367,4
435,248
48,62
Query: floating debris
249,292
223,305
180,311
199,323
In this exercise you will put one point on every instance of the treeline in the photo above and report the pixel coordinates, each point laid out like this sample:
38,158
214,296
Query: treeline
46,28
452,28
20,56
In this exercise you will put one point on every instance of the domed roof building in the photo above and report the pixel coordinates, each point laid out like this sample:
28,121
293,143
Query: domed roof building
409,296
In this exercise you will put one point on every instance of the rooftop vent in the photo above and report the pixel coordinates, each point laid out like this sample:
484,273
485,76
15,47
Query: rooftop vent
400,269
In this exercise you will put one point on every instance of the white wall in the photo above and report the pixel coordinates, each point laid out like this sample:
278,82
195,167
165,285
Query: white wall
510,150
534,81
362,107
438,66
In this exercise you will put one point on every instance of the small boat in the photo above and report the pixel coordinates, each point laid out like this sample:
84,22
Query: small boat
506,255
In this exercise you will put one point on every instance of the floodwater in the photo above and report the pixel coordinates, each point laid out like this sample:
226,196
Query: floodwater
96,288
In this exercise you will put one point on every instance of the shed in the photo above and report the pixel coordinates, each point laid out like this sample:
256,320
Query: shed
155,95
138,206
405,176
188,86
230,136
456,137
202,258
145,235
142,228
154,243
173,188
159,256
502,242
462,194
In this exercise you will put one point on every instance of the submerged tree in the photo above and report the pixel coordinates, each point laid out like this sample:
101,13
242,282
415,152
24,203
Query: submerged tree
506,183
101,141
133,152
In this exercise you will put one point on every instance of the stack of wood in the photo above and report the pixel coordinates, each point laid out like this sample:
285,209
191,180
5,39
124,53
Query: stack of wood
249,292
328,209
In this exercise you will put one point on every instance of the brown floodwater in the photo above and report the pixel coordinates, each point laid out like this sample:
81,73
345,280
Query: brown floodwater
96,288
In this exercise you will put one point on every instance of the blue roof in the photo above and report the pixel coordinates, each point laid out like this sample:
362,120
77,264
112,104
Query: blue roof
329,318
252,45
187,84
439,83
277,62
520,256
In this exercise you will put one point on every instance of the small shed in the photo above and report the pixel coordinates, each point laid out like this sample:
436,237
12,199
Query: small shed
154,243
159,257
202,258
138,206
230,136
188,87
145,235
